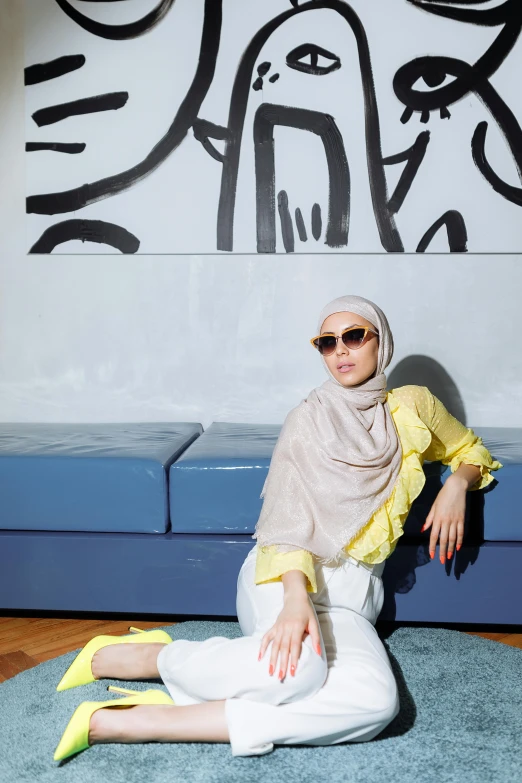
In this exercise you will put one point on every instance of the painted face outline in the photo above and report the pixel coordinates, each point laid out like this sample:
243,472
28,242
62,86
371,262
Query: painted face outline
233,133
469,79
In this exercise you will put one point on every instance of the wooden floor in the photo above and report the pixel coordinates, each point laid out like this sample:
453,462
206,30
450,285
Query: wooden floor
27,641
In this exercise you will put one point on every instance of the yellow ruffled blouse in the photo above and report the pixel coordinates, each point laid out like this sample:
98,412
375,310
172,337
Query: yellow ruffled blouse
427,431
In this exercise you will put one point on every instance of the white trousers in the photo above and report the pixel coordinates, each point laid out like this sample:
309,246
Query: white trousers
348,693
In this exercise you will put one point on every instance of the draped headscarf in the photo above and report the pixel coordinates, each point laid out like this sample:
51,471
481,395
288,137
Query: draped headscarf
337,457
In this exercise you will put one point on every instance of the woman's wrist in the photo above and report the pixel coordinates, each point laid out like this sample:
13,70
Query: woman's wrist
466,475
295,583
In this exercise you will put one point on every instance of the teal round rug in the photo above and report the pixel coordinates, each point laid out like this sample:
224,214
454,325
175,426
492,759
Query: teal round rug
460,720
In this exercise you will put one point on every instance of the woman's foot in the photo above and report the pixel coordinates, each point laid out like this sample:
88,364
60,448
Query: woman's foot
136,723
204,722
126,661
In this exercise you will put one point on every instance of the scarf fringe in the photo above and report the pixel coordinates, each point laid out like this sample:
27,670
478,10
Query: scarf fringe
341,556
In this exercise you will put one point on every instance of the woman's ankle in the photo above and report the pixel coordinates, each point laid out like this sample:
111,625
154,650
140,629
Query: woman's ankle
127,661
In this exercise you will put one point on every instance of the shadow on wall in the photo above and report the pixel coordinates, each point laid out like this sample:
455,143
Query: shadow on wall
425,371
412,551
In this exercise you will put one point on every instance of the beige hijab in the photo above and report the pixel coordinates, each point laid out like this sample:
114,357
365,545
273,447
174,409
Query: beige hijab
337,457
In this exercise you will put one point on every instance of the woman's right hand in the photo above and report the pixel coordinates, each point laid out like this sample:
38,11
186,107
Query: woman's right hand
295,620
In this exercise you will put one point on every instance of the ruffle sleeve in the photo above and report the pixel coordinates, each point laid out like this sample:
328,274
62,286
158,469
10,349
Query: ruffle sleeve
474,453
271,565
454,444
377,540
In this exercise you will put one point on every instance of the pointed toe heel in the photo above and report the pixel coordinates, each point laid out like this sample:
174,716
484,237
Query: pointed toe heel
76,735
80,671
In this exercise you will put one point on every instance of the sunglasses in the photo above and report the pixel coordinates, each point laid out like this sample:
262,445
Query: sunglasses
353,338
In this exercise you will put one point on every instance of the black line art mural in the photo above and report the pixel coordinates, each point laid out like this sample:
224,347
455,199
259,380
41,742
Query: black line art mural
87,231
71,149
457,236
52,114
77,198
267,117
274,126
42,72
117,32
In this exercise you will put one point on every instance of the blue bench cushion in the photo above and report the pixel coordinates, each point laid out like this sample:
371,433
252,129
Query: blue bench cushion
216,483
89,477
502,506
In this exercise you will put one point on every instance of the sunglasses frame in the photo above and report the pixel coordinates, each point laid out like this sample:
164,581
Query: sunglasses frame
340,336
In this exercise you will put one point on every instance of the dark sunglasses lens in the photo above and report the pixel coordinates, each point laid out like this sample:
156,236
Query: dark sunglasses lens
354,338
326,344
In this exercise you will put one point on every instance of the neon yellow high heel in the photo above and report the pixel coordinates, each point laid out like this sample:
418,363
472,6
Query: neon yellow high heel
76,735
80,672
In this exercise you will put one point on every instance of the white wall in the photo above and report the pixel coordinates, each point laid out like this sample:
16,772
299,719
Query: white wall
225,338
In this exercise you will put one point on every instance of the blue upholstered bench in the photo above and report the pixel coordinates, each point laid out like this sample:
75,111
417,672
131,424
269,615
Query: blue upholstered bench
157,518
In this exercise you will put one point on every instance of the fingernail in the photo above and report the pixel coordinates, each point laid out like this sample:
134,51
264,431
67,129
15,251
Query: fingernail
280,674
458,547
422,529
432,555
442,559
319,649
292,670
449,555
259,656
271,668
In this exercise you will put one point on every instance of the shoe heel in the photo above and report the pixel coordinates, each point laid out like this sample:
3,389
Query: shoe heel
120,690
135,630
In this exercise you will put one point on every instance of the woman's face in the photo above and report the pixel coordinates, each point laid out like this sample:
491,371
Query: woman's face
363,359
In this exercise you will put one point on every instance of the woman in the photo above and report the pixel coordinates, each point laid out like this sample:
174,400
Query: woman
345,470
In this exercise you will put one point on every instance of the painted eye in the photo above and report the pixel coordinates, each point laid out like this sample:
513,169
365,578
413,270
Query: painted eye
320,61
426,84
432,78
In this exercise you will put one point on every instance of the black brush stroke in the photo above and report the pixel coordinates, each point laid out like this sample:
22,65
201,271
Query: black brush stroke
42,72
121,32
413,157
478,151
469,78
498,108
267,117
459,2
77,198
456,228
317,222
512,132
88,231
388,232
505,119
489,17
204,130
108,102
301,228
293,60
287,228
70,149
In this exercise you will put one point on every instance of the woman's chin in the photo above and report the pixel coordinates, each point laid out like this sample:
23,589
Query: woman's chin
347,378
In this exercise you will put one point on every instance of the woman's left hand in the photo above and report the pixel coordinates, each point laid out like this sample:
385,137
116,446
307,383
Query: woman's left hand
447,515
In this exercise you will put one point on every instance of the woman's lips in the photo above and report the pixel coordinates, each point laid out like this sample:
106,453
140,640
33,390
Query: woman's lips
346,368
